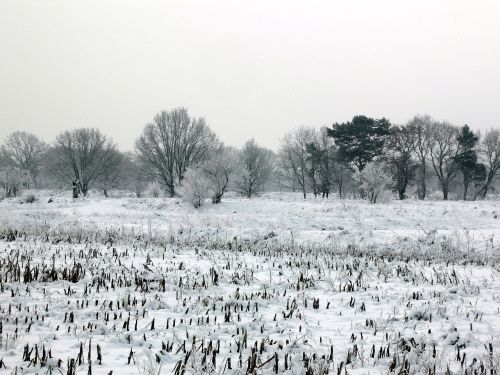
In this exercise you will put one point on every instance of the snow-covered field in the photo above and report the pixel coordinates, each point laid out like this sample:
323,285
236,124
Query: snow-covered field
274,284
287,216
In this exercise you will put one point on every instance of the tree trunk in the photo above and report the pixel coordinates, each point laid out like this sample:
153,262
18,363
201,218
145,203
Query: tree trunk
466,186
445,191
423,190
402,188
402,194
485,191
83,188
75,190
169,185
422,187
105,191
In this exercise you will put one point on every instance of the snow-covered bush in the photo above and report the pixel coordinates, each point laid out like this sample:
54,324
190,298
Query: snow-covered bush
13,180
374,181
29,198
154,189
196,187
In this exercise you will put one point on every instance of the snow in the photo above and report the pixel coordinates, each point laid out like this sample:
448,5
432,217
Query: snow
286,215
417,282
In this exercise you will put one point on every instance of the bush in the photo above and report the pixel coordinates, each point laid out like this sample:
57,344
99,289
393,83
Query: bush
13,180
154,189
374,181
196,187
29,198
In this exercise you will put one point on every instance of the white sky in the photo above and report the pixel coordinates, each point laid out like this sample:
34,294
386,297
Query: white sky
252,69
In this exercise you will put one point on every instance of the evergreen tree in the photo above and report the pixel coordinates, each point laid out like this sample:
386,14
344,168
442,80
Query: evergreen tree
361,140
467,158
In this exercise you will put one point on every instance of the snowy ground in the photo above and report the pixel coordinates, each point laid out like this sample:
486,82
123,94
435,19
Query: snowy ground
287,216
271,285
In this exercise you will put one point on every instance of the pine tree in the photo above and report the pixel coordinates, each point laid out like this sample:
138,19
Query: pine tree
360,140
467,158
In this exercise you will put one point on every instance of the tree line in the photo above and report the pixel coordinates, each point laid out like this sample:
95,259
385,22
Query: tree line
180,155
374,152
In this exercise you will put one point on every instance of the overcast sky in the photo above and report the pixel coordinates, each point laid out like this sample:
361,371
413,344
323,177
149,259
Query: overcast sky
252,69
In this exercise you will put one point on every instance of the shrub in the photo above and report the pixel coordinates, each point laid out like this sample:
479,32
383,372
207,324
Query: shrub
374,181
154,189
29,198
13,180
196,187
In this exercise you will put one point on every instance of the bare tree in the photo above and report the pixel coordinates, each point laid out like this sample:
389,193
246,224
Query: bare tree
294,157
113,174
24,151
342,173
255,167
219,169
421,127
489,155
173,142
134,174
399,155
322,162
444,148
83,156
